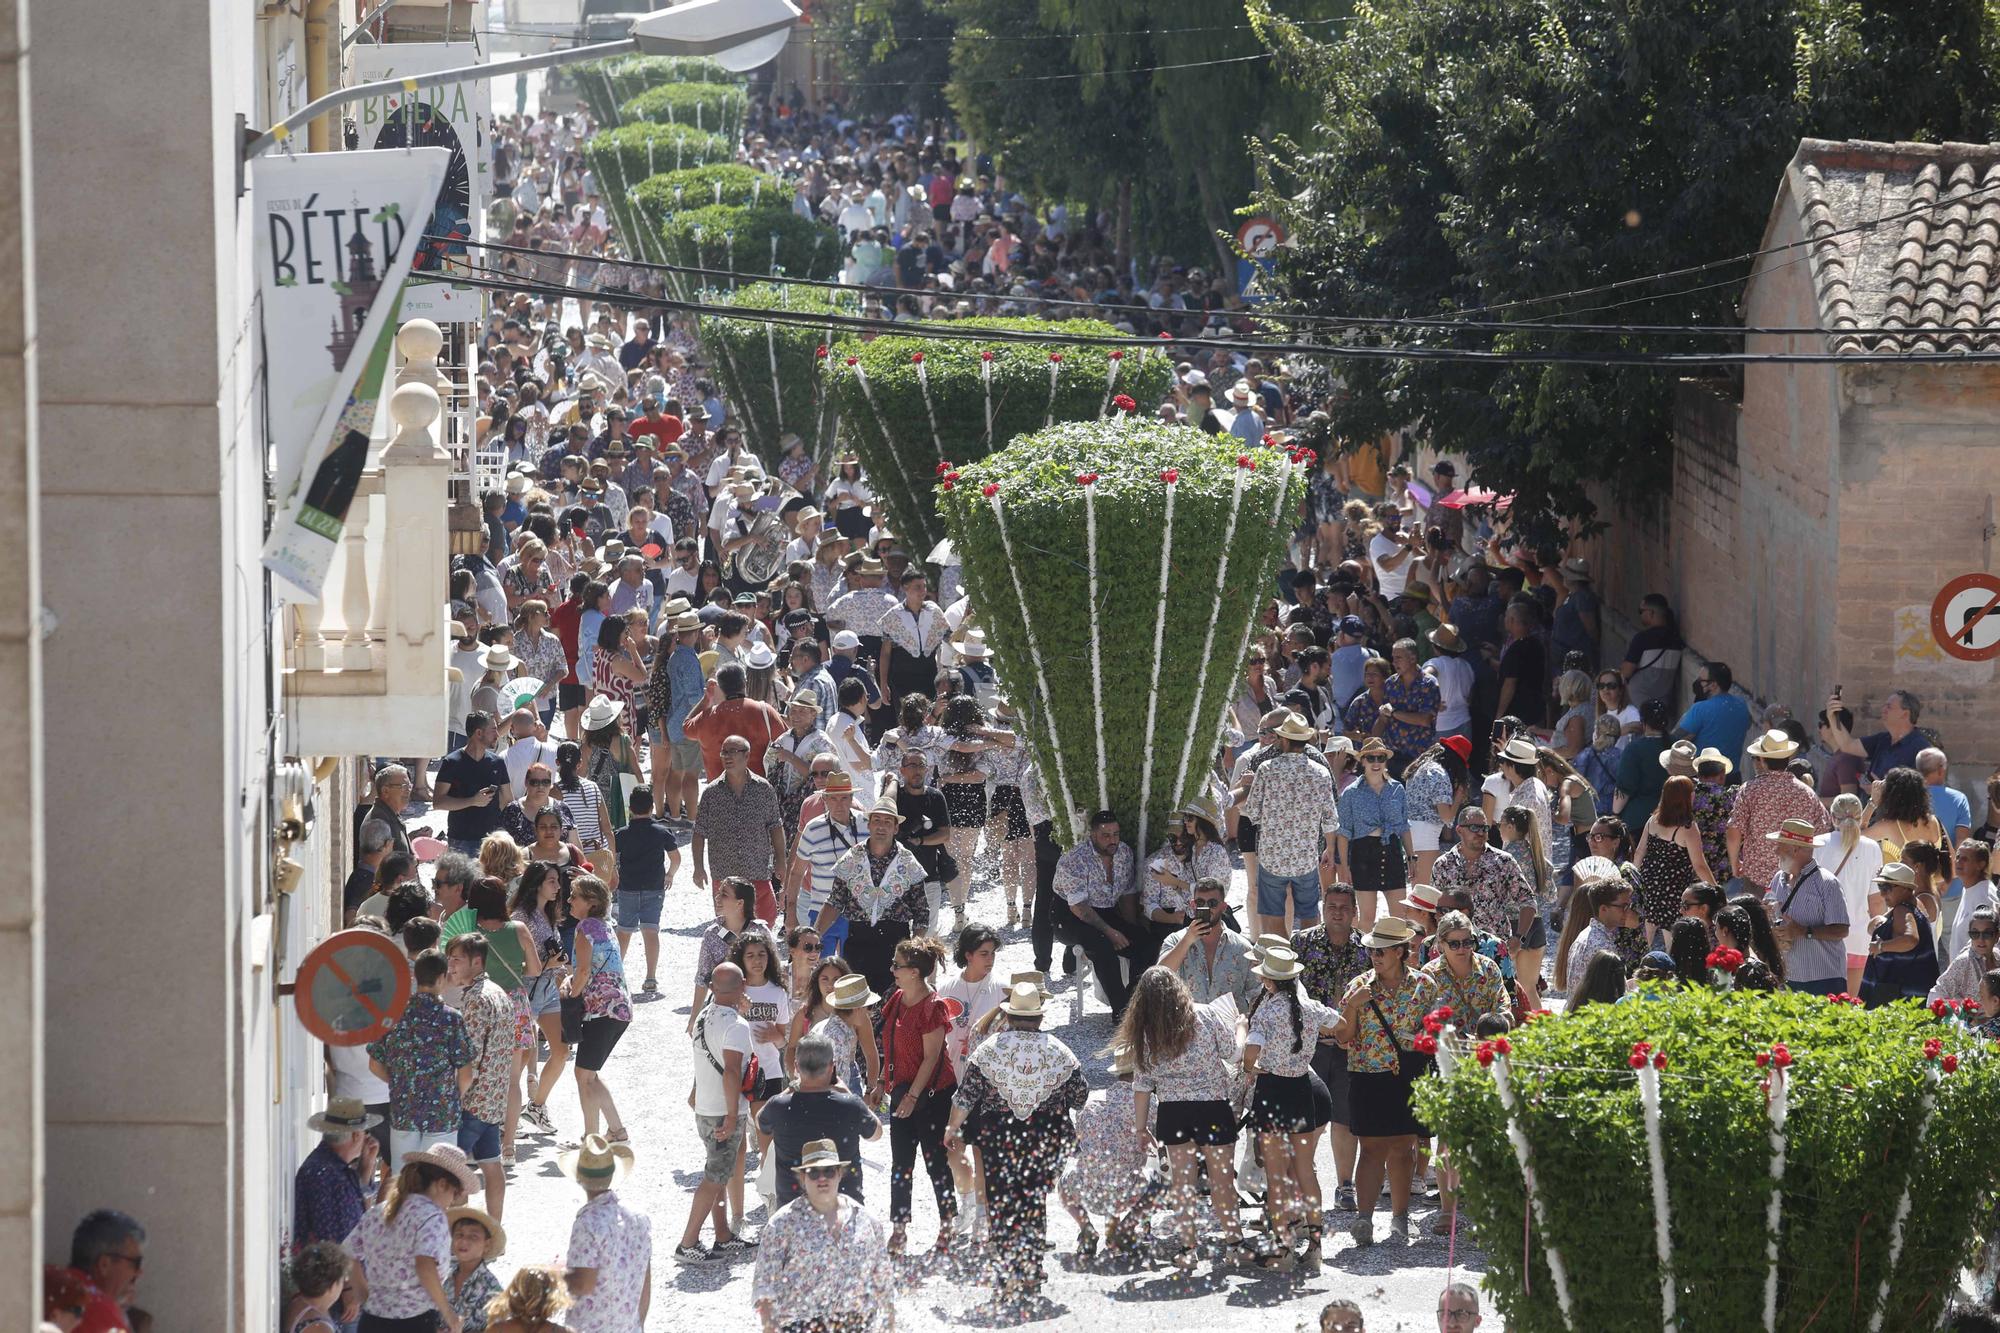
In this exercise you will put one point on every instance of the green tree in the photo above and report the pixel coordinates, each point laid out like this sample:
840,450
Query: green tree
896,53
1472,154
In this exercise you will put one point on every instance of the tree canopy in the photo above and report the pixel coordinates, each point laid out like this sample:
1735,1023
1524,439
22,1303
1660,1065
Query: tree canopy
1470,155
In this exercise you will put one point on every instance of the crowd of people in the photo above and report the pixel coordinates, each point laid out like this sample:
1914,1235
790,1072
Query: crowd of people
1439,787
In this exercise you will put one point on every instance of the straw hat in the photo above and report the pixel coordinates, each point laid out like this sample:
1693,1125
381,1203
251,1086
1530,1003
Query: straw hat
1035,979
972,644
1203,807
1425,896
1388,932
1446,637
595,1161
449,1157
1024,1000
343,1115
1774,745
683,623
497,657
496,1235
1519,750
603,711
1279,965
885,804
1376,745
1678,759
1711,755
837,781
851,992
1792,833
761,657
1122,1062
1576,569
1295,728
1266,942
1896,874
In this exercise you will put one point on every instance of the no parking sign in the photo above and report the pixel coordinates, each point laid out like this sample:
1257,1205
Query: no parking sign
1965,618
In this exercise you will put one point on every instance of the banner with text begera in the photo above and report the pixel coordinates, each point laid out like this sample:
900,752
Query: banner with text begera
335,236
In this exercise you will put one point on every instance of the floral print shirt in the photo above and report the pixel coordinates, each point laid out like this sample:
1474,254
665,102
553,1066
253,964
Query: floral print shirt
1713,803
473,1296
1419,696
1329,968
1472,997
423,1054
1108,1167
1080,877
1498,887
811,1267
541,655
1426,787
1285,1054
1763,803
1210,858
1372,1051
389,1252
1291,799
718,940
604,995
1201,1073
617,1244
488,1013
917,633
893,891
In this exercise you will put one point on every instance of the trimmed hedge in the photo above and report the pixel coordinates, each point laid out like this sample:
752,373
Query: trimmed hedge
606,85
737,239
703,106
891,430
771,371
1042,508
1856,1138
698,187
622,158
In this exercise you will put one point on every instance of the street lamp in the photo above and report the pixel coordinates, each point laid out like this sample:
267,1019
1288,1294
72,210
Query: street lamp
739,35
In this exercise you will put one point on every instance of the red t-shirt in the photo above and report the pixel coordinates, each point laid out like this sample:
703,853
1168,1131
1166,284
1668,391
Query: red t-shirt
903,1029
564,620
101,1314
668,428
752,719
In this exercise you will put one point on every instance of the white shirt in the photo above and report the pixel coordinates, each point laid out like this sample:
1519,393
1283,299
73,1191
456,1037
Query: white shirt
1974,897
979,998
850,747
1390,581
765,1004
1857,881
523,752
1453,676
351,1076
724,1031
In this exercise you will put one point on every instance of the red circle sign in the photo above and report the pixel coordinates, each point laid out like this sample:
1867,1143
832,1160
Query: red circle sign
1259,236
1965,618
352,988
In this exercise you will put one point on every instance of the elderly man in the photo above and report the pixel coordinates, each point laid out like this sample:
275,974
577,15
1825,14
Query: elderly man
1458,1308
106,1252
816,1109
392,798
527,743
788,759
1895,746
370,848
823,1262
724,711
1291,801
1953,811
631,591
739,829
609,1267
334,1185
1808,912
821,843
1093,882
1762,805
1206,954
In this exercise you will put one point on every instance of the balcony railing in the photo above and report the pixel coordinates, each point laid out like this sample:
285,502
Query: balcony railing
365,666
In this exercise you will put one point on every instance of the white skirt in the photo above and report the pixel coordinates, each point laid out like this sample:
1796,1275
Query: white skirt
1424,836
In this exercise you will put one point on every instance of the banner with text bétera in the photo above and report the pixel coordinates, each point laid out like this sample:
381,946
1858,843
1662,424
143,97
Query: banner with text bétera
457,117
335,236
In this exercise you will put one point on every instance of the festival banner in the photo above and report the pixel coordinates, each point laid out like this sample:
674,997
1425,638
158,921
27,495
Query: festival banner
455,116
335,236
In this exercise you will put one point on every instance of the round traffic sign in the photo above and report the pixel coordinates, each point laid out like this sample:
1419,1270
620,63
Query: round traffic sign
1965,618
1259,236
352,988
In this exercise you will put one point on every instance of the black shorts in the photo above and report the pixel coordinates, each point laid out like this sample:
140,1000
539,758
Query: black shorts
599,1039
1380,1105
1289,1104
965,804
1330,1063
1007,801
769,1088
570,696
1376,864
1210,1123
1246,835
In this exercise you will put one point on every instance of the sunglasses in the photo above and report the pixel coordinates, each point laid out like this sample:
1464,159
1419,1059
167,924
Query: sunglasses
1608,684
1373,949
1984,934
1481,829
1464,942
541,782
821,1174
1603,837
1376,761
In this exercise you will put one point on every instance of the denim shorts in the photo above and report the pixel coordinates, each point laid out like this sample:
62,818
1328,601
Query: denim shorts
478,1139
544,994
639,909
1272,890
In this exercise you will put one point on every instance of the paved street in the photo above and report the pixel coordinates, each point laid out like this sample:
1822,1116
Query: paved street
650,1076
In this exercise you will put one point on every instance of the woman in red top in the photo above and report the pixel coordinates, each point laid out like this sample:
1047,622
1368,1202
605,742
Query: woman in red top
920,1079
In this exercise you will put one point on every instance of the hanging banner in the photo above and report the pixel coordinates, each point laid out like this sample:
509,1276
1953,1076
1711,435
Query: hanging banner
335,236
454,116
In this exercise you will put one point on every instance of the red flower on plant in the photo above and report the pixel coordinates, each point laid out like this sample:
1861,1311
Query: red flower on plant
943,467
1086,478
986,356
1170,476
947,483
1781,1055
1933,1048
1726,960
1636,1060
1055,357
853,360
1659,1059
1124,403
1443,1011
1432,1025
1246,461
1425,1045
916,358
1763,1059
819,352
1485,1053
1950,1064
1502,1045
1642,1048
1117,355
1166,337
1940,1007
990,489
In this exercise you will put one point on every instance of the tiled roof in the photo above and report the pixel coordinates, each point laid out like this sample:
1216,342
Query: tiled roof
1929,281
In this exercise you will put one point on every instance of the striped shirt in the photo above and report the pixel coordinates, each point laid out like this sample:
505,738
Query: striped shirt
822,842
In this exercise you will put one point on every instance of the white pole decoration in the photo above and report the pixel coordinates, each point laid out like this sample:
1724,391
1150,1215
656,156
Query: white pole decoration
777,398
1924,1115
1656,1158
1116,360
774,253
1088,481
718,192
729,255
1505,1086
680,150
1244,466
986,381
1171,479
924,382
756,191
1777,1106
1060,808
1055,368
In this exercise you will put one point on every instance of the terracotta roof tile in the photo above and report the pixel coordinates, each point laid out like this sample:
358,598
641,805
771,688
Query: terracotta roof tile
1932,279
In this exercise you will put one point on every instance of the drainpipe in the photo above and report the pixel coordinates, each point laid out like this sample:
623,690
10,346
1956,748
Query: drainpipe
322,66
